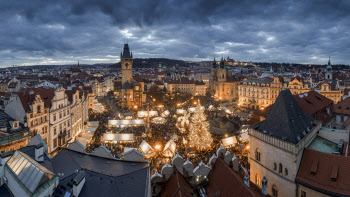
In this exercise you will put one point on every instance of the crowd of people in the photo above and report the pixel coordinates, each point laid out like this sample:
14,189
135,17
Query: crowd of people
156,134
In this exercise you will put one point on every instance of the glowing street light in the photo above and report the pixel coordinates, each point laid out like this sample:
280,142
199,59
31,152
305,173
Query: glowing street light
178,104
154,100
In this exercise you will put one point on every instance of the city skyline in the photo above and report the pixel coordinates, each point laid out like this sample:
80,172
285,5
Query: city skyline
65,32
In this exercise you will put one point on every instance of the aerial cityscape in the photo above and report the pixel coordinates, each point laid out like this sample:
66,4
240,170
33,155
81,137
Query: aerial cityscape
175,98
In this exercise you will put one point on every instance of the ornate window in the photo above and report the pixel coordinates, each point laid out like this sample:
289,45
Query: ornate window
257,154
274,191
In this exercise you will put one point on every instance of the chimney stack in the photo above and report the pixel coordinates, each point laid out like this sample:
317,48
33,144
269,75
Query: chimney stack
39,152
78,183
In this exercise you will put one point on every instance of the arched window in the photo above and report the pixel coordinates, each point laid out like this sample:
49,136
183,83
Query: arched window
285,171
38,109
258,180
257,154
275,166
274,191
280,168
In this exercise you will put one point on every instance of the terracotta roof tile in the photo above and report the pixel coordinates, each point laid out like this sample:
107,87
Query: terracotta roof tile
224,180
177,187
331,175
343,107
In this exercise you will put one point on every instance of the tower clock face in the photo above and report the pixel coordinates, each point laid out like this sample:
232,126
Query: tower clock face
126,65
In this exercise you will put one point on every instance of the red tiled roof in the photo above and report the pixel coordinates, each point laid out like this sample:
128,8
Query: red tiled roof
177,187
343,107
297,78
224,180
45,94
325,167
330,85
312,102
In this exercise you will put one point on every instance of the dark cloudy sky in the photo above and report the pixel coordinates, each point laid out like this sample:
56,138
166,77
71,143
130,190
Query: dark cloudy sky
93,31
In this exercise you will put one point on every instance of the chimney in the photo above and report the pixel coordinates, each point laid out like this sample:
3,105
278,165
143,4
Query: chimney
78,183
39,152
264,189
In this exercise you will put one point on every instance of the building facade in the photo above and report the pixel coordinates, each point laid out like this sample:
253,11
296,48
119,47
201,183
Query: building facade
276,149
222,85
60,120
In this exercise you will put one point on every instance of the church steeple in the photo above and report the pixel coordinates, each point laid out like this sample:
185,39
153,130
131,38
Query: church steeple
126,52
214,63
329,61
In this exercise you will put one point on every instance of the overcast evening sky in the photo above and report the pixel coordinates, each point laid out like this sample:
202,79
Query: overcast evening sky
64,32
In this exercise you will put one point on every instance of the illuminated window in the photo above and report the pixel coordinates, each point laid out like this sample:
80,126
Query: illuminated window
258,180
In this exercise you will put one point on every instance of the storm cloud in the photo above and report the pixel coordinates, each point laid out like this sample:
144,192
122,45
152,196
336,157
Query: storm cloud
64,32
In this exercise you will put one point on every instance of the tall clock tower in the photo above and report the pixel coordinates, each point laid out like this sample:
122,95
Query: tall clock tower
126,62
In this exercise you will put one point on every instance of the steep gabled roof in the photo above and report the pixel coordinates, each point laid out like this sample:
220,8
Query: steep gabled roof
127,86
177,186
286,120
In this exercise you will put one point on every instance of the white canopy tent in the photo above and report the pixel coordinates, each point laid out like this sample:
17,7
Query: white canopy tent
169,148
125,123
158,120
165,113
118,137
180,111
229,141
192,109
142,114
145,147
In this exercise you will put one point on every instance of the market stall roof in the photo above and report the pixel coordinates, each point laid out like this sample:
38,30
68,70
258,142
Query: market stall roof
145,147
158,120
121,137
229,141
141,114
180,111
125,122
170,145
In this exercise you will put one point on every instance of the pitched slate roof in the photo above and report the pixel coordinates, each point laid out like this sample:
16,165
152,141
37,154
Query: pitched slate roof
312,102
104,176
326,173
286,120
127,86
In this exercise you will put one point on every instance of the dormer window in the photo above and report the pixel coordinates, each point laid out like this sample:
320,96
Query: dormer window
38,110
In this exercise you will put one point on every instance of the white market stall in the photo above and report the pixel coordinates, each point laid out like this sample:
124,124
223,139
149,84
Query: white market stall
169,148
192,109
180,111
145,147
229,141
118,137
142,114
166,113
158,120
125,123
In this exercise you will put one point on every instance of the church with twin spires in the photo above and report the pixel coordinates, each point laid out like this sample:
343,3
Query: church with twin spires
132,90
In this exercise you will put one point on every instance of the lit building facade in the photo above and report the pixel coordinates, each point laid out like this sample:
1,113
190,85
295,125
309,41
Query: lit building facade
222,85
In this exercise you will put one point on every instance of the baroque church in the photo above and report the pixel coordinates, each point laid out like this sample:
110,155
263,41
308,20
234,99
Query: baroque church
132,90
222,84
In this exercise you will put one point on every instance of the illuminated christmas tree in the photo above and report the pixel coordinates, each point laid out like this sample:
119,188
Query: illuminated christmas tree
199,136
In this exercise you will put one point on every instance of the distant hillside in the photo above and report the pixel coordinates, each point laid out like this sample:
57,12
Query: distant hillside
152,62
